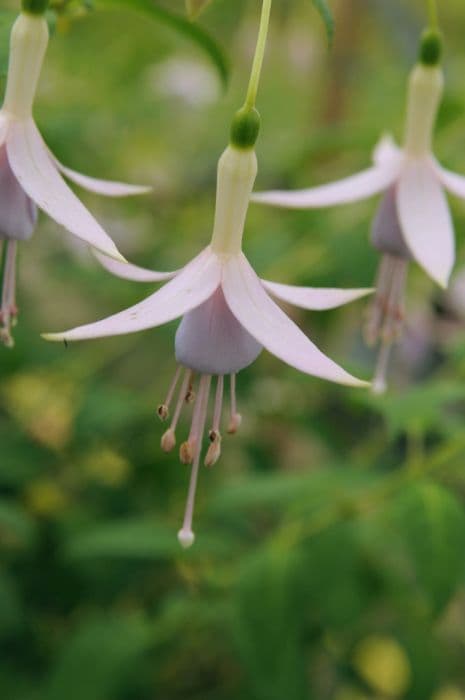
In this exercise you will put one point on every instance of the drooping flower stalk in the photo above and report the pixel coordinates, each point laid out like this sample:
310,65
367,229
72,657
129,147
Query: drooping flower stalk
29,173
228,314
433,15
260,48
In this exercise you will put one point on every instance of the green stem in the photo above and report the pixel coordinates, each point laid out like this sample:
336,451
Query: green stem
433,14
259,55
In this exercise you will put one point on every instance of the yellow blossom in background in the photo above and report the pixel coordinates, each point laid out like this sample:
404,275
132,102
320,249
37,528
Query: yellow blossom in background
383,664
45,498
44,405
106,466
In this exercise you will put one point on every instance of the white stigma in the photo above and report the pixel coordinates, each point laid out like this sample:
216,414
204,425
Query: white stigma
186,538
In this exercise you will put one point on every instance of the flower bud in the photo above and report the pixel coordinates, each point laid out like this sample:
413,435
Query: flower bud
245,128
430,48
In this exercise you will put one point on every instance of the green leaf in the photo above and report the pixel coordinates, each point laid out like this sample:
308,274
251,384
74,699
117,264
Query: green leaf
136,539
268,625
99,658
7,17
10,605
327,17
180,24
195,7
330,557
16,527
428,524
421,408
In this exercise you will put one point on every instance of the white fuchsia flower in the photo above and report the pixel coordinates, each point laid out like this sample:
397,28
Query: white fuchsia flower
413,221
228,317
30,175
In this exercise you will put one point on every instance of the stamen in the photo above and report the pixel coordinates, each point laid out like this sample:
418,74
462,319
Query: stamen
168,440
163,410
393,319
214,451
379,384
185,535
188,449
235,419
392,327
8,307
377,309
190,394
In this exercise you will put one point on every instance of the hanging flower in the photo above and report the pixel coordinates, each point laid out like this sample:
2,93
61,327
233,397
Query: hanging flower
228,317
413,221
29,174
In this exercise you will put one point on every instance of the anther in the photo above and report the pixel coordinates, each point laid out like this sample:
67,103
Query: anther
190,394
168,440
214,451
163,410
186,452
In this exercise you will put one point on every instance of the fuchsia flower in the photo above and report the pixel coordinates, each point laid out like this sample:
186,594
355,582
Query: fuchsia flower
228,317
29,173
413,221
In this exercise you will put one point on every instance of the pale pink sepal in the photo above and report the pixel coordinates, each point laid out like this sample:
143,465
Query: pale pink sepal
387,151
352,189
313,298
127,271
269,325
30,161
194,284
104,187
453,182
425,219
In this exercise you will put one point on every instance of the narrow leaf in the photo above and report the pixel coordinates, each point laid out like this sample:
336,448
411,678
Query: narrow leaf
429,524
180,24
98,658
327,17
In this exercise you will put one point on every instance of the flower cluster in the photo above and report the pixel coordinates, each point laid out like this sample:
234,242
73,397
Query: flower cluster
228,314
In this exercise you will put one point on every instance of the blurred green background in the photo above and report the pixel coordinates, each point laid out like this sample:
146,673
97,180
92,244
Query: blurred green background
330,554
